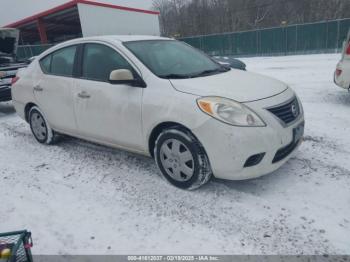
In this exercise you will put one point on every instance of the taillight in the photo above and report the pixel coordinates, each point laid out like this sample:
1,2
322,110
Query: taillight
338,72
348,49
14,80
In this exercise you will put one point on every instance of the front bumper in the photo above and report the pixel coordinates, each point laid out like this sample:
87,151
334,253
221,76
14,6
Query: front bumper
5,93
228,147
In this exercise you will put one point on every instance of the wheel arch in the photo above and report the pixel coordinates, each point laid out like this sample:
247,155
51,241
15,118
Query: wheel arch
157,130
27,110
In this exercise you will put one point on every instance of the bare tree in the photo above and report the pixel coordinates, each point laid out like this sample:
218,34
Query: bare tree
199,17
258,13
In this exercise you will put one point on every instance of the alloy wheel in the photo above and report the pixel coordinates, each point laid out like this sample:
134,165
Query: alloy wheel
177,160
38,126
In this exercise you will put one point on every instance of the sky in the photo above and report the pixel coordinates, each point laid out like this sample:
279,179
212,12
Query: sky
14,10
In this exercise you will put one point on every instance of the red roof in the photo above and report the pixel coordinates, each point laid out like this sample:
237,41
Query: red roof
74,3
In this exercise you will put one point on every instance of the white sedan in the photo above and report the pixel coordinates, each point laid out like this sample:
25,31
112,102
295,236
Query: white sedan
162,98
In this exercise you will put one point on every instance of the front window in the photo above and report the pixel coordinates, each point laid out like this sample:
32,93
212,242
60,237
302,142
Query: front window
100,61
173,59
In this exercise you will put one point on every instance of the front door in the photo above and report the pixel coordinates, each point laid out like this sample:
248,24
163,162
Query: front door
106,112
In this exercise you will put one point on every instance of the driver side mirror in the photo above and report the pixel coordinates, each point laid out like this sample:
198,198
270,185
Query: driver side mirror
125,76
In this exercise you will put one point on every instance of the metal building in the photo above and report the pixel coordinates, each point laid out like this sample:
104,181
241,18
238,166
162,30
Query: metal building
85,18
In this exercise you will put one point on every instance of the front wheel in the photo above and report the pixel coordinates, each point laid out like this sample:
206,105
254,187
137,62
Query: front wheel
40,127
181,159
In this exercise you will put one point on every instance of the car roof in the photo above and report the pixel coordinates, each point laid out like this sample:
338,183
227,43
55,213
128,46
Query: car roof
128,38
117,38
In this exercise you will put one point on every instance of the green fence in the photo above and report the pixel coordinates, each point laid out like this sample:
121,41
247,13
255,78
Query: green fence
28,51
322,37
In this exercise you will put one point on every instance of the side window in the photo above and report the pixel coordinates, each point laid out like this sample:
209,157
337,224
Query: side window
45,64
62,61
100,60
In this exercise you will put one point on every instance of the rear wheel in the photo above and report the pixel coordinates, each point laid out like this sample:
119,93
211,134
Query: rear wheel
40,127
181,159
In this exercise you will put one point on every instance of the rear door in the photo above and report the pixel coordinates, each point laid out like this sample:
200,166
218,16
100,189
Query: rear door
54,90
109,113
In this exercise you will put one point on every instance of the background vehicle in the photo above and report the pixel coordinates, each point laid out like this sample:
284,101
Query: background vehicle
162,98
8,61
232,62
342,72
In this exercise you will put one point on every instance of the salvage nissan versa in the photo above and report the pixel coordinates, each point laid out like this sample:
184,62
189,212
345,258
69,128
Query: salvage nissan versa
162,98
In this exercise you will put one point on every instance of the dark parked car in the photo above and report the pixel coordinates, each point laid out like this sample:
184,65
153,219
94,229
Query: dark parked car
231,62
8,61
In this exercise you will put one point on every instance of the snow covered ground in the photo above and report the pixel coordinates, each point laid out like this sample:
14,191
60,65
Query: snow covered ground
80,198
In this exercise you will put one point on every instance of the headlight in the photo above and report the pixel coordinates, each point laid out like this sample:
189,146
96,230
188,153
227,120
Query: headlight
2,74
230,112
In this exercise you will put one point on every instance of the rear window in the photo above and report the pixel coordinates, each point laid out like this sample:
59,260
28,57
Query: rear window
60,62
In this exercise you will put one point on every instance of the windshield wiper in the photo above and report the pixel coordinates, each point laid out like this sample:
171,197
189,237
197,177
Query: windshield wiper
212,71
175,76
203,73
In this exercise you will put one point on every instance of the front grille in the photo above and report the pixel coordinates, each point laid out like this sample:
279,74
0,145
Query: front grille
287,112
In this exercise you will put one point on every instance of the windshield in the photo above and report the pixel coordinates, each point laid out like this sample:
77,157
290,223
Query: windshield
173,59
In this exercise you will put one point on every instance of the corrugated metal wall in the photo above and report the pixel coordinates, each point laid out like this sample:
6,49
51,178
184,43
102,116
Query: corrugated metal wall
295,39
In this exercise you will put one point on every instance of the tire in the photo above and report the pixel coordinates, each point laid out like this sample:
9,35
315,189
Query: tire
182,159
40,127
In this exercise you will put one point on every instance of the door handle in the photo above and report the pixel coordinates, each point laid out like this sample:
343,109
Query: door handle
84,95
38,88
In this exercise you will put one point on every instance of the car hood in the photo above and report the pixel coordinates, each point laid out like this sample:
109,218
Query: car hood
238,85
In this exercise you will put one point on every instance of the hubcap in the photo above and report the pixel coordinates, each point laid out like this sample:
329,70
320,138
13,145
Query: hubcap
177,160
38,126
